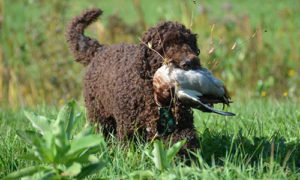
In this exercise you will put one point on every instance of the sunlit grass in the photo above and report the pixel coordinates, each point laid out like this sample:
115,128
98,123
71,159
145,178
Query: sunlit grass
262,141
252,47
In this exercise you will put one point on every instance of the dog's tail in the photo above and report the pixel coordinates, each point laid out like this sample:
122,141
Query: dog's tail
83,48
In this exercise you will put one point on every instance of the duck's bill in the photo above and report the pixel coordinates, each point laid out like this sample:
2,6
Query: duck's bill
206,108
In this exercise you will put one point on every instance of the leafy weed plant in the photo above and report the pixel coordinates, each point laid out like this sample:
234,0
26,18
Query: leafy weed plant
162,160
60,153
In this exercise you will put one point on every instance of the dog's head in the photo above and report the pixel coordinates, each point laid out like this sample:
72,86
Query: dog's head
174,42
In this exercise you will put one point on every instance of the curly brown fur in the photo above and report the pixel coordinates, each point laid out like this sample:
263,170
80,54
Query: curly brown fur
82,47
118,88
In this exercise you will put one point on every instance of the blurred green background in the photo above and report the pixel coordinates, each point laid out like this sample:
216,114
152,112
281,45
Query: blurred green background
253,46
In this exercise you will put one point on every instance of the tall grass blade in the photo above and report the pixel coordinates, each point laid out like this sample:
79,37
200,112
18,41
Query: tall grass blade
91,169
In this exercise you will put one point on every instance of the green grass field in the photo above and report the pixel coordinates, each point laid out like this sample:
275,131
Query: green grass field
261,142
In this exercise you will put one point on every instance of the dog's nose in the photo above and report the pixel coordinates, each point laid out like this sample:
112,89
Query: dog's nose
186,64
190,63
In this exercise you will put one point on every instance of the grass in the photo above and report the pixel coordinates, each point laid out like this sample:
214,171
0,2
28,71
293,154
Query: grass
262,141
38,74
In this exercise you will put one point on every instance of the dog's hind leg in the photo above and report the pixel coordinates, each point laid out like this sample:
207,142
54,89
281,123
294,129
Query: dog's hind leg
125,130
98,116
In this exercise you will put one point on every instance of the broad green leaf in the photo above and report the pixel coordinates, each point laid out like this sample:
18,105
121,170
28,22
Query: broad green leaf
84,156
93,159
85,132
62,144
168,176
28,136
49,141
90,169
60,135
65,112
67,118
39,147
48,174
39,122
72,123
29,171
141,175
59,129
159,154
40,150
174,149
73,170
30,157
85,142
71,119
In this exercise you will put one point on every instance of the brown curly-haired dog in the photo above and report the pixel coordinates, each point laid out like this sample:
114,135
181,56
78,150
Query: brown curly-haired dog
118,87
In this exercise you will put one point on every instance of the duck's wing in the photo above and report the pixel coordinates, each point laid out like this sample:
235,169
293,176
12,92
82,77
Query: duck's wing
192,99
215,88
208,99
200,80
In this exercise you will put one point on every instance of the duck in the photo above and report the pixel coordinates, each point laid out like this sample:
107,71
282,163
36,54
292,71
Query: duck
195,88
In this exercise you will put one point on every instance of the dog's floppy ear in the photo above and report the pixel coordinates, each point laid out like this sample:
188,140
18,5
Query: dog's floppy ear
143,66
148,61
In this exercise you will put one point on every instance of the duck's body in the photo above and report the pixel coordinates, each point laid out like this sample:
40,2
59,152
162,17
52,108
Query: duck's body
196,88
